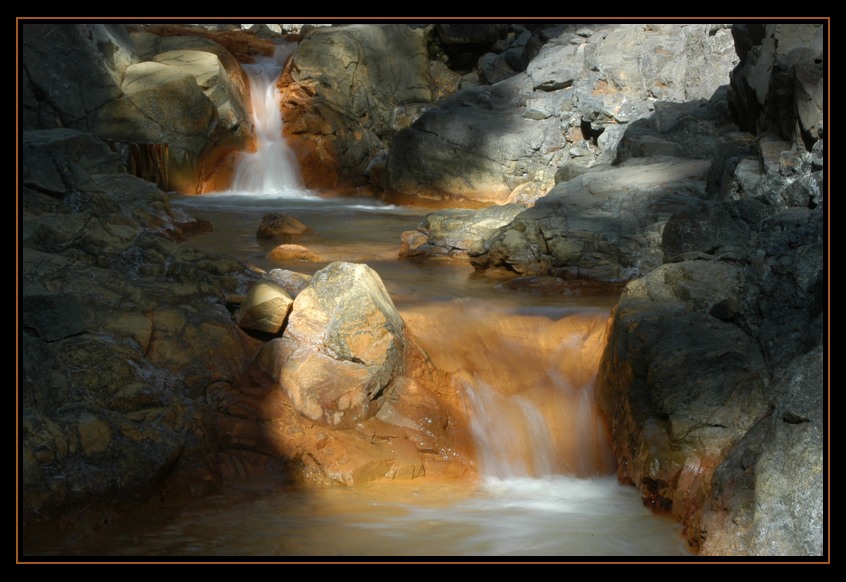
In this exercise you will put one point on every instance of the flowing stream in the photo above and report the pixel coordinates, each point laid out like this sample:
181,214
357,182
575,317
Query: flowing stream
526,361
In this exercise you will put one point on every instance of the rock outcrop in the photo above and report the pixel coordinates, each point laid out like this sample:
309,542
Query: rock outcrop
122,331
568,108
175,113
716,356
343,90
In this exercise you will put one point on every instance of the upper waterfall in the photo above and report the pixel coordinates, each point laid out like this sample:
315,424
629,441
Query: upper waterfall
273,168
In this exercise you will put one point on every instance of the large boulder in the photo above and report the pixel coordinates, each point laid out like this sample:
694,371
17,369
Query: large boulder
343,348
679,385
160,104
223,86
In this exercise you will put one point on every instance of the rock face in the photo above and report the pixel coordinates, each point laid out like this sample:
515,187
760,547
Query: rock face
343,348
341,92
175,117
768,493
485,143
122,331
714,357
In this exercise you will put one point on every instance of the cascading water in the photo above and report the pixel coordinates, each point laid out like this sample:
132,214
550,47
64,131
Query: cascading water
272,169
526,366
528,383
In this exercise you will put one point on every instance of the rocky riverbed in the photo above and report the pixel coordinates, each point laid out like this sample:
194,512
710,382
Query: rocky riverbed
684,163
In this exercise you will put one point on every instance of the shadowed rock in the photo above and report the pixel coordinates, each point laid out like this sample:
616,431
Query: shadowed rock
276,226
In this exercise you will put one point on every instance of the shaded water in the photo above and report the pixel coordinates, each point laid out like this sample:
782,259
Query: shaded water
555,517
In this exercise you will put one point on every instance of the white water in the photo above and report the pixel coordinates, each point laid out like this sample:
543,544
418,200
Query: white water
272,169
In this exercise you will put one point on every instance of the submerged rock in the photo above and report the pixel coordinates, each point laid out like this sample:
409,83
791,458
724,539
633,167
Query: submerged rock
277,226
292,253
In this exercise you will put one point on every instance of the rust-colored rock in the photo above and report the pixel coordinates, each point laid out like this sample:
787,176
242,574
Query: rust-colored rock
243,44
292,253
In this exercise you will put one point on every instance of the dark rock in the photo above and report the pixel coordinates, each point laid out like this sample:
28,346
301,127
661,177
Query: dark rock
276,226
68,76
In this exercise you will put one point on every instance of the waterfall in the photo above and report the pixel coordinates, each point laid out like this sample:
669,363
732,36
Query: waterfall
272,169
543,422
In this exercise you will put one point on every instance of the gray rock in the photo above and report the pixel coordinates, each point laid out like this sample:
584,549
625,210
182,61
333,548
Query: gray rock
66,75
604,225
763,83
494,68
484,142
457,232
462,149
790,472
557,66
768,493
